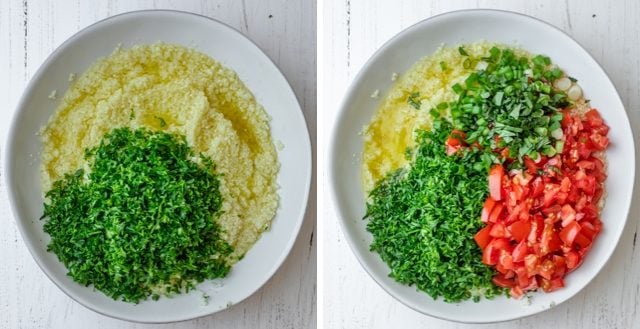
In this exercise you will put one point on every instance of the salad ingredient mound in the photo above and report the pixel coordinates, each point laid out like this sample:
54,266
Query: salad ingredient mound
181,91
419,218
141,221
489,143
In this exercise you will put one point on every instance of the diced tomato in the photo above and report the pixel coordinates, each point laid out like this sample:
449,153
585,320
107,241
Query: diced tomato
565,185
569,233
520,192
452,145
574,194
531,166
581,202
602,130
599,175
588,230
482,237
586,165
549,285
523,179
491,253
598,163
573,155
516,292
555,161
515,212
455,142
585,183
567,214
556,283
521,276
498,230
520,229
506,261
549,241
572,259
555,210
566,119
511,200
584,151
526,210
533,285
489,203
559,265
550,192
496,213
537,187
546,269
561,197
537,225
590,211
542,220
531,262
593,118
598,141
501,281
505,153
583,241
510,274
495,182
551,219
520,251
451,150
579,175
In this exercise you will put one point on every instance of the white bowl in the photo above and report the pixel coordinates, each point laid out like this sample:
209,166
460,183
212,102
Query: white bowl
422,39
260,75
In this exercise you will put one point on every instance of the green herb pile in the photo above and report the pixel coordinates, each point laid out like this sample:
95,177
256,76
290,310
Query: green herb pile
142,222
423,220
512,99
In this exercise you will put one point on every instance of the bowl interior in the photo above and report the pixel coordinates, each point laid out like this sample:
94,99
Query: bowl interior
422,39
260,75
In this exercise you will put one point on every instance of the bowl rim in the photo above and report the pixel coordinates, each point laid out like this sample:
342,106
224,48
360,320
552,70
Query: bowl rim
10,149
334,144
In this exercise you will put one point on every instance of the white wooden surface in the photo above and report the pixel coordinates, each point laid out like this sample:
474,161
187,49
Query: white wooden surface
353,30
29,31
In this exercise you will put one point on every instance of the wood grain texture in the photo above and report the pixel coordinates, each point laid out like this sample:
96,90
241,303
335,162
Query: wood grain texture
30,30
353,30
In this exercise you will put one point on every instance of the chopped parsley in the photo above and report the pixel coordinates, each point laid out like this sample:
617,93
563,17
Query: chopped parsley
141,222
423,219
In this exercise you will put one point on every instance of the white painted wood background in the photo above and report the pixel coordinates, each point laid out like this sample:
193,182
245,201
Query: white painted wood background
353,30
30,30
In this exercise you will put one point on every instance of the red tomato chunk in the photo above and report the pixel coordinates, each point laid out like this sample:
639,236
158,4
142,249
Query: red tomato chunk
455,142
542,220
